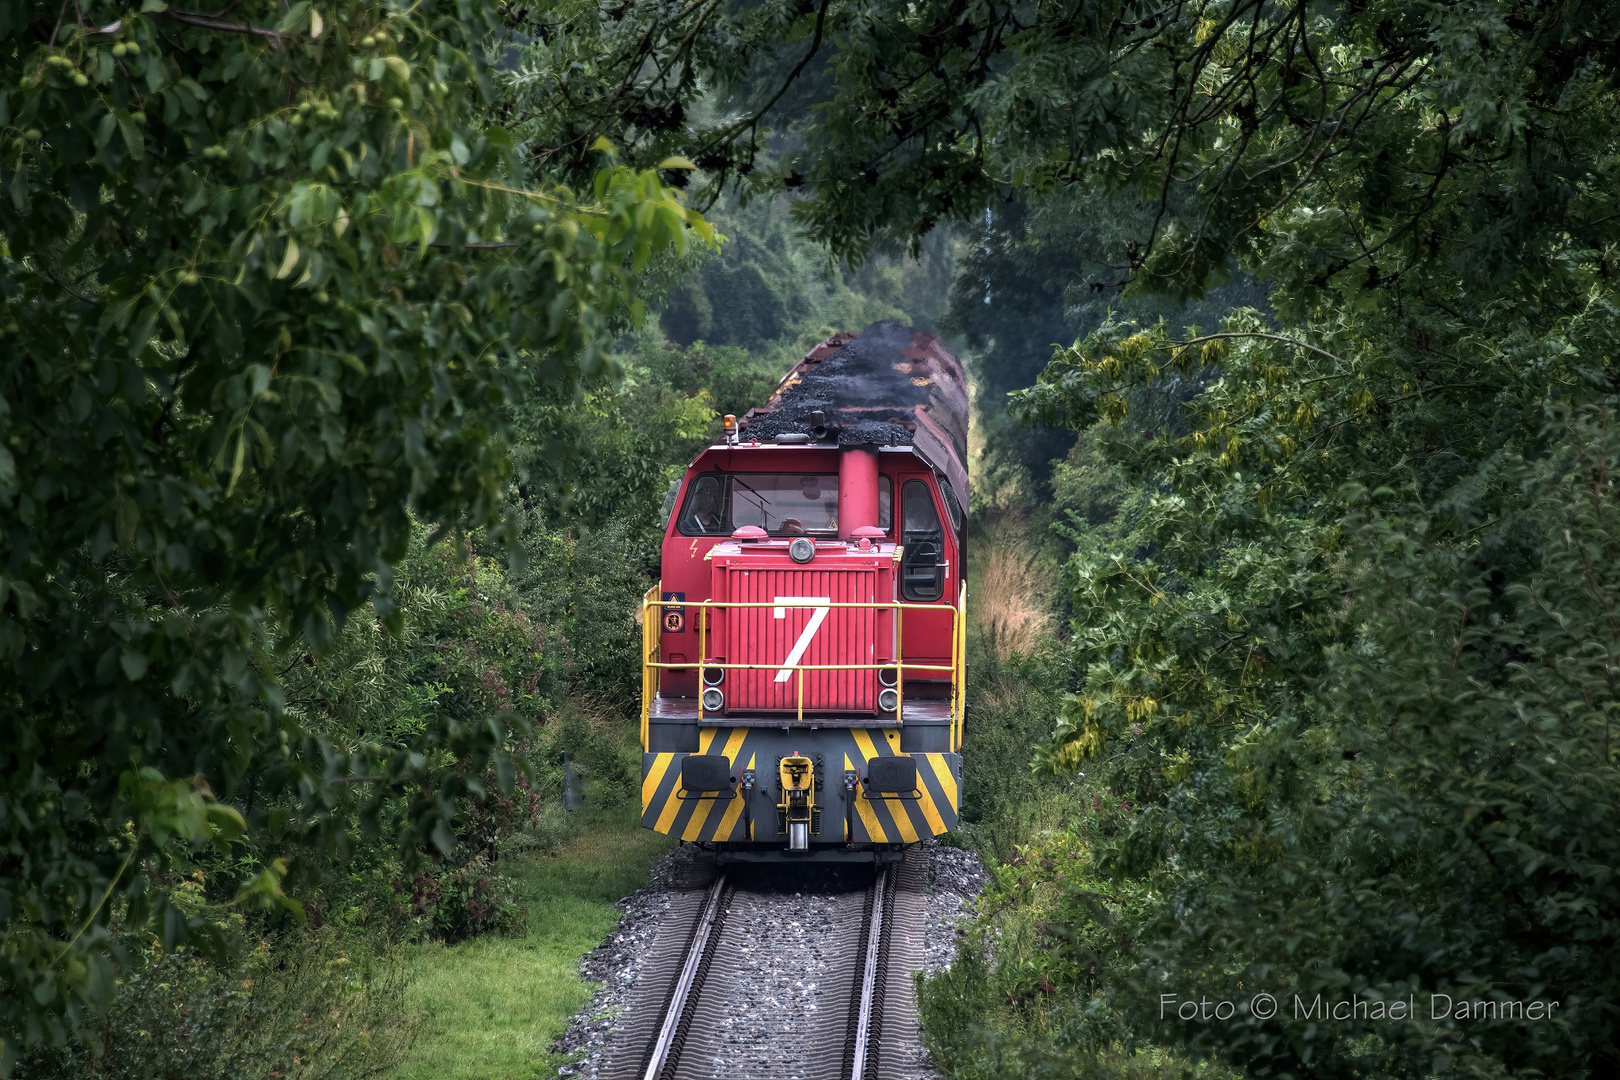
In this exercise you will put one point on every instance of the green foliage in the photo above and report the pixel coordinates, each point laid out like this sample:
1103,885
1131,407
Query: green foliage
1027,994
752,297
586,587
609,452
1037,274
473,639
1203,133
464,895
267,280
1031,991
1331,653
735,379
1330,638
460,646
1406,787
295,1008
775,293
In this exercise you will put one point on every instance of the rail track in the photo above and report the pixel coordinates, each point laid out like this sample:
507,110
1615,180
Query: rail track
706,1006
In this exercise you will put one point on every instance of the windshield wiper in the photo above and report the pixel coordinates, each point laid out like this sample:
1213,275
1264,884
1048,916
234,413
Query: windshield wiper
763,504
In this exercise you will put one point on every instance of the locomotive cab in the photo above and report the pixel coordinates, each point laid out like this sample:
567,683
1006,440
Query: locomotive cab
803,670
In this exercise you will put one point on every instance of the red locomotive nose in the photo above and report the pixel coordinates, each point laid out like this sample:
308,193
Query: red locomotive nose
811,611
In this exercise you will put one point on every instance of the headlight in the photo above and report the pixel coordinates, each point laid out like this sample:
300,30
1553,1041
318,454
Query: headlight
888,676
713,700
802,549
888,699
714,676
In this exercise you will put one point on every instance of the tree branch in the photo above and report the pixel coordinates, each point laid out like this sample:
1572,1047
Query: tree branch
759,114
209,22
483,245
1258,334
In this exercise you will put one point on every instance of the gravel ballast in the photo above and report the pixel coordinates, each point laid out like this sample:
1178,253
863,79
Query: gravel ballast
777,985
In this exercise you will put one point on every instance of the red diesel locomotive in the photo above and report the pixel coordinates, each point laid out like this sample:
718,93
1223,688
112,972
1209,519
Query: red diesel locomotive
803,658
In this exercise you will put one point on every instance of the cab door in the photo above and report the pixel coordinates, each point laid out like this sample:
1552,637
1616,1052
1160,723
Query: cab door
929,574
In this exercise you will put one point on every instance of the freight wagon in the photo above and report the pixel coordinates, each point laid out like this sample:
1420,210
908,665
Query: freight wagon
803,667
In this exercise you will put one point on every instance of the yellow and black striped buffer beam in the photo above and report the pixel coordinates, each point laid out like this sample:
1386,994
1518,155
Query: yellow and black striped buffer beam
729,817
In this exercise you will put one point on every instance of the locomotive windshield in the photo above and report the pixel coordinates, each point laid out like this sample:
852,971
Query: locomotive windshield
783,504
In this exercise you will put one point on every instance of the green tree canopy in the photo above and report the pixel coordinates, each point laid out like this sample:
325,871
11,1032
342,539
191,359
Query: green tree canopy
1351,664
267,277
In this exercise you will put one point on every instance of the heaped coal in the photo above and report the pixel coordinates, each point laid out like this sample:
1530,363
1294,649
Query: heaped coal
874,389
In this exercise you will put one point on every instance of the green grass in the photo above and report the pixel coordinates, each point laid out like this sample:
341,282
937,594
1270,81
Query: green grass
492,1006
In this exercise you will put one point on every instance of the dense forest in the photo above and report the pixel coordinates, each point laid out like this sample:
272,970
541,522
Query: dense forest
348,350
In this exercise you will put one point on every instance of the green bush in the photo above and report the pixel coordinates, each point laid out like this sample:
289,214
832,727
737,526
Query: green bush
1030,992
294,1008
1368,737
463,649
584,586
464,895
735,379
246,339
607,454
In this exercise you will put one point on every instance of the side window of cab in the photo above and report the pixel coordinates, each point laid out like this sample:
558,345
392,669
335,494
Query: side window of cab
704,512
953,506
672,493
922,576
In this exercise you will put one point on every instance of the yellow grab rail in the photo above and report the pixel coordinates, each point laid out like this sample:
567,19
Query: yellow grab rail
652,662
649,649
959,679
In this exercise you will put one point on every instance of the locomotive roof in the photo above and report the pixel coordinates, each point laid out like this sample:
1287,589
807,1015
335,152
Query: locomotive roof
889,385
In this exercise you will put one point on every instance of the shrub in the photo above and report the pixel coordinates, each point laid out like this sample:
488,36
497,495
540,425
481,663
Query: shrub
464,895
1030,993
295,1008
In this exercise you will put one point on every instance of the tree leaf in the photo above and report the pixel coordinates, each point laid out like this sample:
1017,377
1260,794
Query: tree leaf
134,140
134,664
289,260
238,461
293,17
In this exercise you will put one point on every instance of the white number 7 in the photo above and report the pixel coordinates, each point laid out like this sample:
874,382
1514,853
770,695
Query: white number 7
797,653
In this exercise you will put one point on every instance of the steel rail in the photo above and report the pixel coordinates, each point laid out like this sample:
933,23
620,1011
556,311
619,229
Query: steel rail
666,1048
871,972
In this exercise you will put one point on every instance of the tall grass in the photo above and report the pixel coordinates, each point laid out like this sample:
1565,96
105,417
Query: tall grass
1010,607
1019,1001
1017,677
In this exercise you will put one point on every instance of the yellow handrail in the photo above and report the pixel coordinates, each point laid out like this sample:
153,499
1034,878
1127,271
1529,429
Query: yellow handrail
649,649
685,664
959,681
651,630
